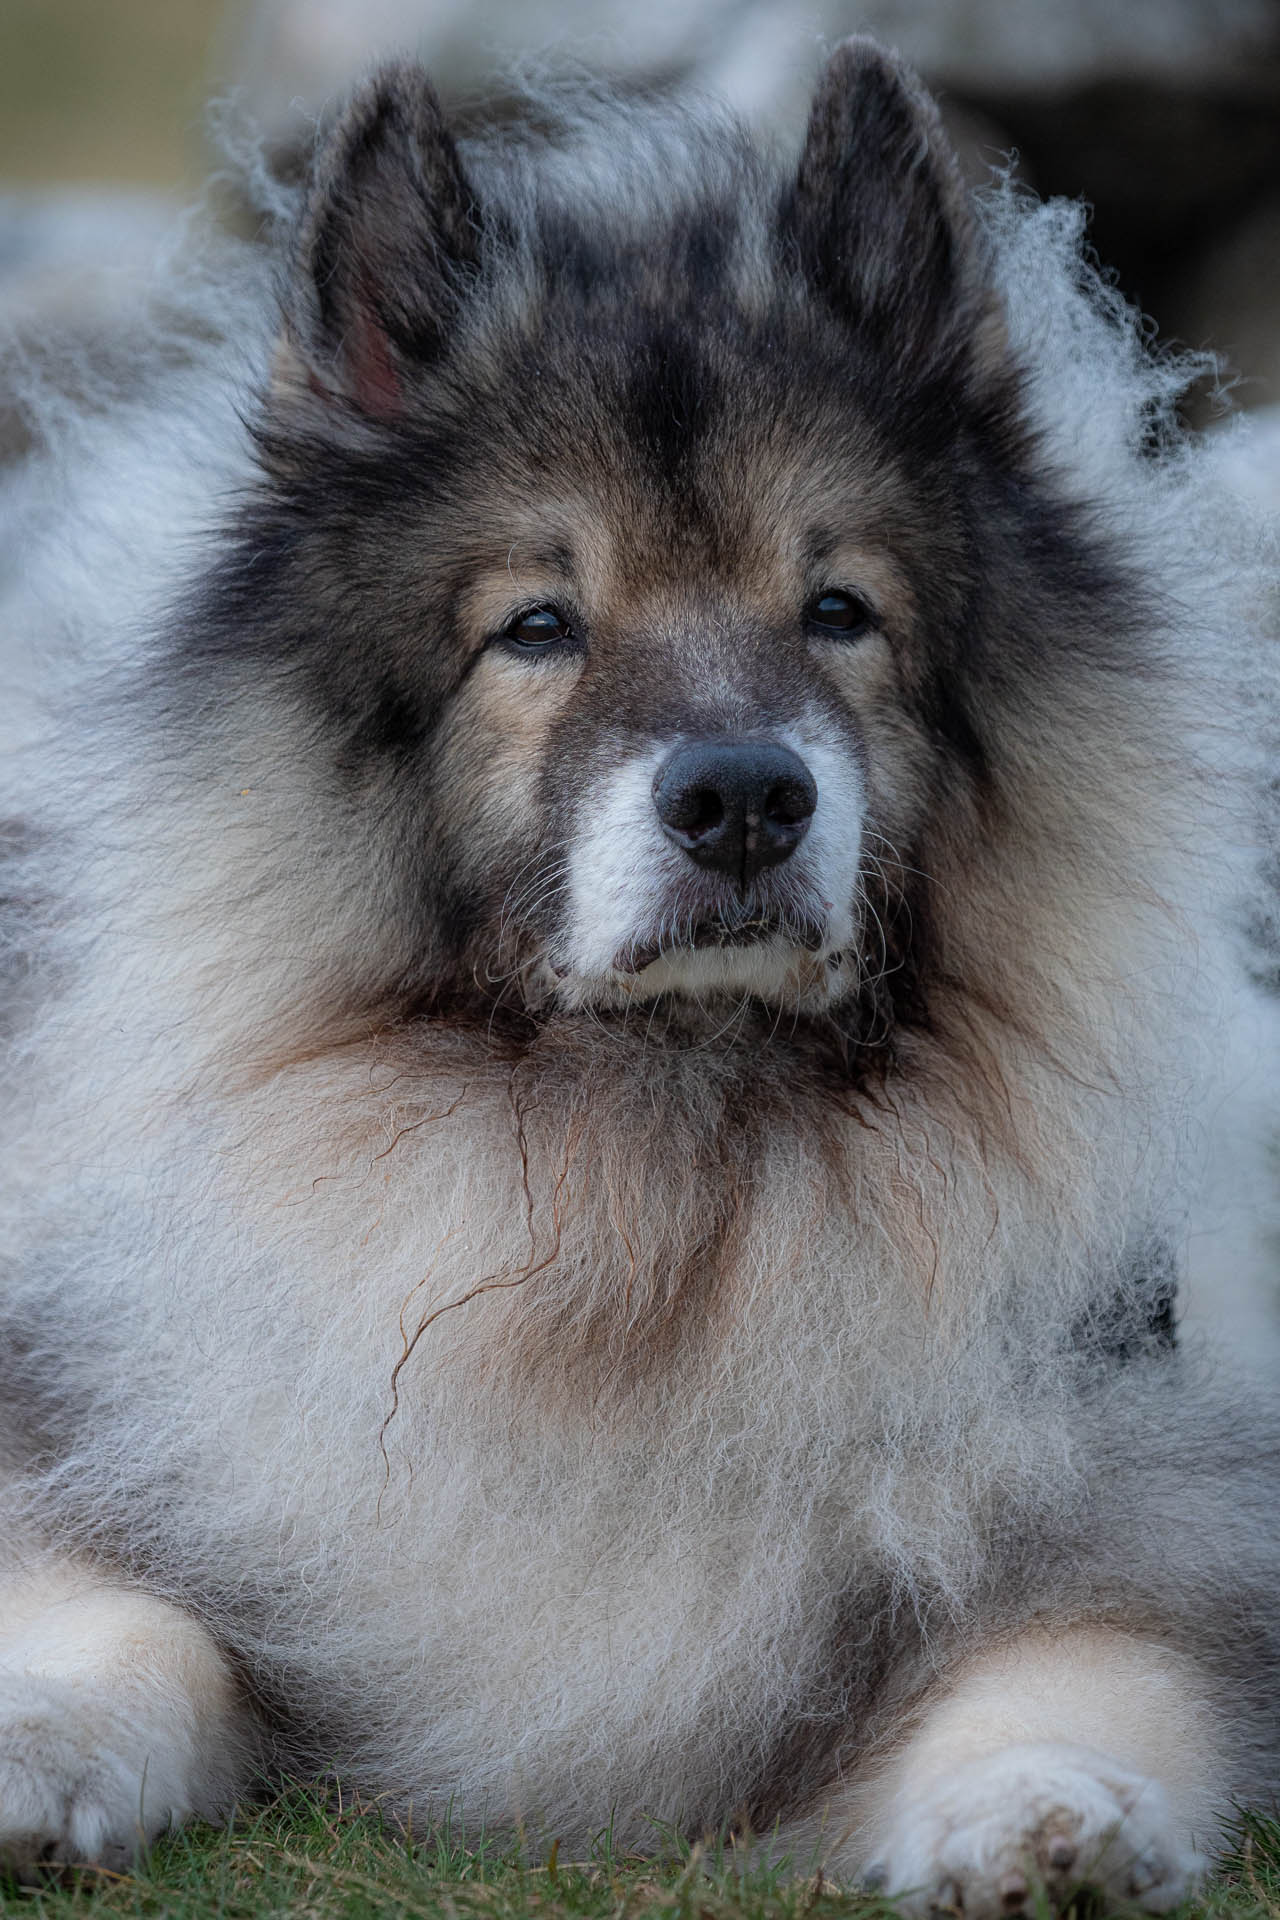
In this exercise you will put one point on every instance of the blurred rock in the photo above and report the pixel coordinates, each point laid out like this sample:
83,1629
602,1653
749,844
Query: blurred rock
72,265
760,54
1042,46
61,248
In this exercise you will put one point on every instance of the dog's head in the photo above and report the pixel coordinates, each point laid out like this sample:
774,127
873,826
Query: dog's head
630,534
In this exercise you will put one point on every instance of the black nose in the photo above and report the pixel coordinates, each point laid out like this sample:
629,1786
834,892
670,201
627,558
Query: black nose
736,805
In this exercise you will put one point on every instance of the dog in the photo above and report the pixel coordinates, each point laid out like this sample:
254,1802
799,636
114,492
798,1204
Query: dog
628,788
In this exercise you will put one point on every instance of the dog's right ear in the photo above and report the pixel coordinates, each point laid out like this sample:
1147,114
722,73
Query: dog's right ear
389,241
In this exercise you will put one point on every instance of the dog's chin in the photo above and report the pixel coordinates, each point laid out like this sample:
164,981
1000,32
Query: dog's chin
774,970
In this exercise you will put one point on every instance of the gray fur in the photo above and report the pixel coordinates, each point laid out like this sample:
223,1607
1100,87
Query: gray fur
560,1408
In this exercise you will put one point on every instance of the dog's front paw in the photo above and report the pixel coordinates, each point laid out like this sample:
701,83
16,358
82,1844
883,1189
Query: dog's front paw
983,1840
78,1781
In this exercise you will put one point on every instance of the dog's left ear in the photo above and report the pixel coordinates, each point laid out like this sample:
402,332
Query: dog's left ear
879,218
389,243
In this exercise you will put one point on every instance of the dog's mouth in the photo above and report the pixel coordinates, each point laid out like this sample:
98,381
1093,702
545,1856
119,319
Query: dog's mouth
772,958
720,931
781,947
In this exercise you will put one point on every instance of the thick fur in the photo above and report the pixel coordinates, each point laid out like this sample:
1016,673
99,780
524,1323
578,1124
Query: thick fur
580,1343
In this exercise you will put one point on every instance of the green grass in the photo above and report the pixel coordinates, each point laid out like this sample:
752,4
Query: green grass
312,1859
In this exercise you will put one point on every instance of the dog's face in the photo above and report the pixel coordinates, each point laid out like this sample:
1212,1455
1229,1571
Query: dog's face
671,684
663,720
621,551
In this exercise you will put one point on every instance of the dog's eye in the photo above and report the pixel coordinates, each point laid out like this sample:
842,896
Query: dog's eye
839,612
536,629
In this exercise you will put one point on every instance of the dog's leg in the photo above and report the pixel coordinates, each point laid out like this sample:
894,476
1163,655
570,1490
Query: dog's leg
1087,1757
118,1718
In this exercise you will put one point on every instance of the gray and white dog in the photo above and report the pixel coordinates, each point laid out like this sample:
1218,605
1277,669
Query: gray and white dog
627,817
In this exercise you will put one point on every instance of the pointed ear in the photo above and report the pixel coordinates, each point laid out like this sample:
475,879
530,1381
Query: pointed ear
879,216
390,238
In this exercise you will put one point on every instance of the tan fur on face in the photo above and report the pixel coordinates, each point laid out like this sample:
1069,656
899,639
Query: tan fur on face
869,677
499,726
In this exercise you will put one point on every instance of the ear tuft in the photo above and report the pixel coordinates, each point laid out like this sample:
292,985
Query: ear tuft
878,215
389,241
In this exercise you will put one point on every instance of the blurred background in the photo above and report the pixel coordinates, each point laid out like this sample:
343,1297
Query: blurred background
1164,114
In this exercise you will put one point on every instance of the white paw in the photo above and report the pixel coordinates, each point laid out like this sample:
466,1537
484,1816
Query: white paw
986,1839
78,1782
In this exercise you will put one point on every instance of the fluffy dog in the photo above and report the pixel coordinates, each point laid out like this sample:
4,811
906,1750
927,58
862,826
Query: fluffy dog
617,906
